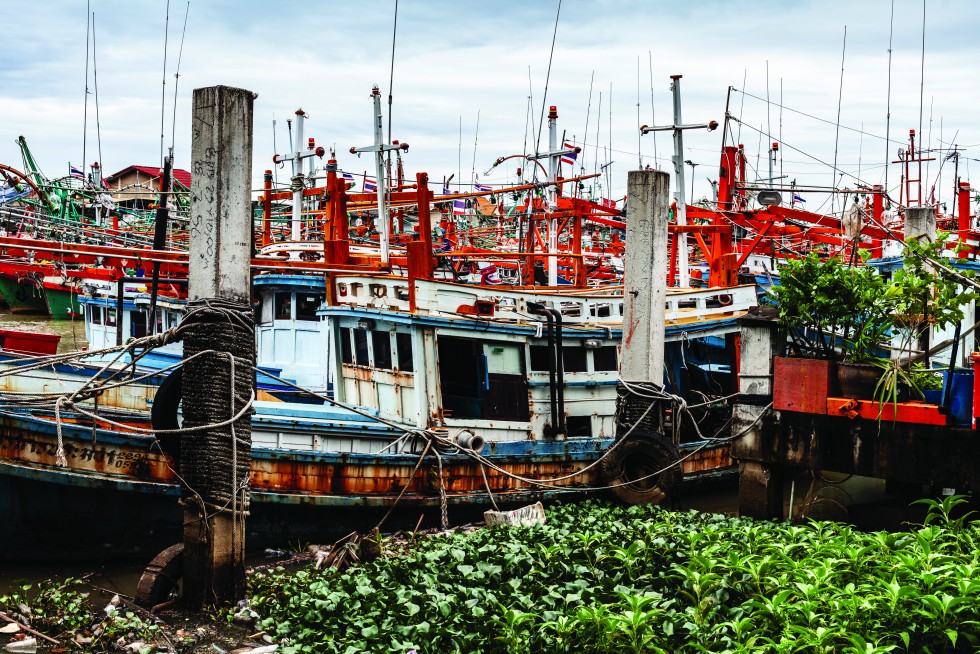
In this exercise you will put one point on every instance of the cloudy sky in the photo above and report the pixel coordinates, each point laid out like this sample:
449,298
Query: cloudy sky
459,60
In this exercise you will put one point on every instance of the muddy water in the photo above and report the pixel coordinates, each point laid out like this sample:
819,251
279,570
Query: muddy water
72,332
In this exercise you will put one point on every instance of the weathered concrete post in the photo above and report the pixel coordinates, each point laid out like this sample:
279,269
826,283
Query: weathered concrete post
645,283
219,349
644,468
760,484
920,222
920,225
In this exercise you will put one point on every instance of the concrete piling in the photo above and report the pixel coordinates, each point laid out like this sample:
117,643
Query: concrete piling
219,349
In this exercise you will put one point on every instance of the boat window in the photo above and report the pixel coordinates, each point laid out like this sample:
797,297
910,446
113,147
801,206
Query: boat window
540,357
381,342
575,359
284,306
579,426
604,358
404,344
110,317
306,306
361,348
137,324
95,314
345,348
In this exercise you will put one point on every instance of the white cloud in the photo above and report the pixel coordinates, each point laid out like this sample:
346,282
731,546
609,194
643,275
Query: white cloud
454,59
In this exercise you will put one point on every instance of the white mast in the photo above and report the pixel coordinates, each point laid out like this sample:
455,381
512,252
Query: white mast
678,129
379,148
297,183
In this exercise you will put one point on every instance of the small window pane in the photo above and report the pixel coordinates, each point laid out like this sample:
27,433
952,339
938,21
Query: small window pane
574,359
345,349
137,324
361,348
381,342
540,357
110,317
284,306
604,358
405,361
306,306
96,313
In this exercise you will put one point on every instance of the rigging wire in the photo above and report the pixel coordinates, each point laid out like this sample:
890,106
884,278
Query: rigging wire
180,55
163,92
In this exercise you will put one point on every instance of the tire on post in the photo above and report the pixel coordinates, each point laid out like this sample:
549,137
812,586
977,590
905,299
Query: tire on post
640,469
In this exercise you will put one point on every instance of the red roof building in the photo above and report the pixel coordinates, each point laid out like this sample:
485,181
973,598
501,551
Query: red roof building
138,186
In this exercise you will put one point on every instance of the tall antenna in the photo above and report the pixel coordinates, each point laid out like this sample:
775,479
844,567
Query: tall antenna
585,134
85,113
598,122
768,106
741,108
163,93
459,153
922,70
547,79
95,75
840,95
653,112
180,55
639,141
781,129
608,161
476,136
391,77
888,105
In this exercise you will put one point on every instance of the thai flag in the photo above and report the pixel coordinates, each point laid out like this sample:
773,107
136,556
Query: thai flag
105,184
459,207
482,188
445,190
370,185
75,172
797,198
570,155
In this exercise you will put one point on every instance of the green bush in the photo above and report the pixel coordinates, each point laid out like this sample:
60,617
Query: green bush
601,578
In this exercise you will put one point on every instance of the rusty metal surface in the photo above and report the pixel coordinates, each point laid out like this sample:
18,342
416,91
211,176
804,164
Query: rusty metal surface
922,454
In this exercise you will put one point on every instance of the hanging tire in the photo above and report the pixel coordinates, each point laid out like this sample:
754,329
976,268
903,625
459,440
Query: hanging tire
639,470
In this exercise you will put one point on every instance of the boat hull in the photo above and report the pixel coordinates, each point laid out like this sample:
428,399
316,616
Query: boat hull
23,296
118,495
62,303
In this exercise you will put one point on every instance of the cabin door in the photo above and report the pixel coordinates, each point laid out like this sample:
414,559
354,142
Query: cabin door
483,380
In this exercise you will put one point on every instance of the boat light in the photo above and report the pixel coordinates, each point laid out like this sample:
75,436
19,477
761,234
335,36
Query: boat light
591,343
366,324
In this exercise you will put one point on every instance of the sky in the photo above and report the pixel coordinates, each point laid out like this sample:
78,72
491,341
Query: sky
469,82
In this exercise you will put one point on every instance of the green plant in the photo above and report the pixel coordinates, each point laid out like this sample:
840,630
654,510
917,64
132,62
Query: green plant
833,310
613,579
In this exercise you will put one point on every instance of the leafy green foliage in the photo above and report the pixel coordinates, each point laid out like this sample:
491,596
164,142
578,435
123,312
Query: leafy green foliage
599,578
64,610
834,310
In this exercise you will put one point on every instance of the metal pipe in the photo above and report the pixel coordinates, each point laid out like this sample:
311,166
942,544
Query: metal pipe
540,310
559,371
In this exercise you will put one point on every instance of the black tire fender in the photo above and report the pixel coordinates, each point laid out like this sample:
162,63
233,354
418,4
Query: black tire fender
630,469
163,412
